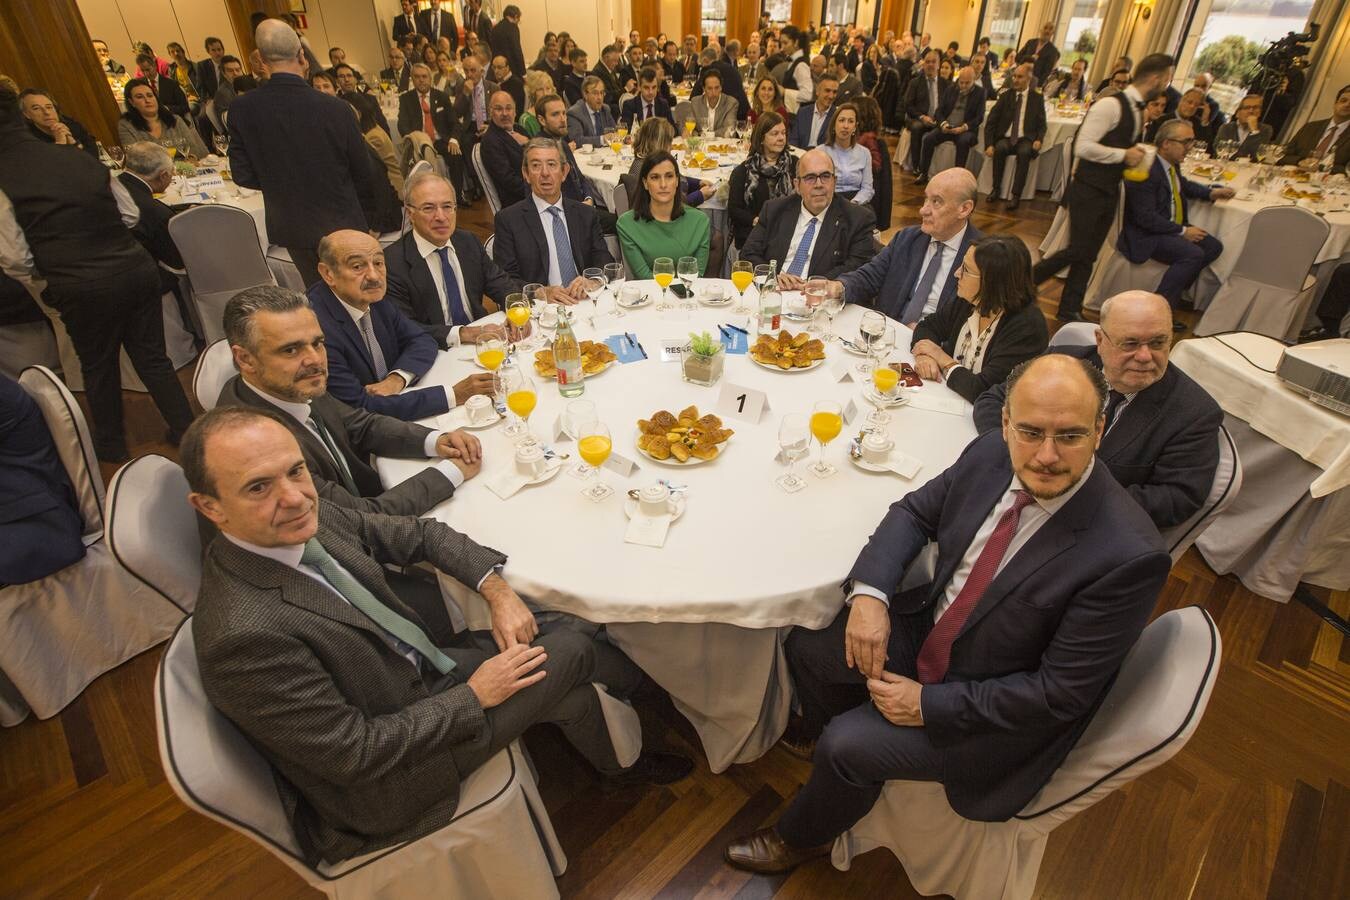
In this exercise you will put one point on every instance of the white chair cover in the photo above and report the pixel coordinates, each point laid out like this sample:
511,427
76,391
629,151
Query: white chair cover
1150,713
485,179
215,367
61,632
1057,237
220,251
283,268
985,176
1271,287
152,529
27,344
500,844
1070,334
1065,167
1227,484
489,244
1119,274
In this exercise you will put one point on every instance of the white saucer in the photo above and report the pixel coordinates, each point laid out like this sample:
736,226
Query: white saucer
872,397
630,506
870,466
478,426
548,474
716,303
848,347
645,300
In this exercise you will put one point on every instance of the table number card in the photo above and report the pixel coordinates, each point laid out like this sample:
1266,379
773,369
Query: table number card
842,370
740,402
620,465
557,430
851,411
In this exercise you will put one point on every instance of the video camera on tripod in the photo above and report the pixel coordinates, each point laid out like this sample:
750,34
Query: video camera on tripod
1280,57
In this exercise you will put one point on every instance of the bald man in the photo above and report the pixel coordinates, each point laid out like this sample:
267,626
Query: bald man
959,117
504,148
1162,432
1046,569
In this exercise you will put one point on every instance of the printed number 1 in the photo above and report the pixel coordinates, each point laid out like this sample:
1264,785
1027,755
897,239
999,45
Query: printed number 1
741,401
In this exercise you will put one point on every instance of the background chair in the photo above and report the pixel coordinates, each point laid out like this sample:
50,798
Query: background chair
1272,286
1119,274
152,529
489,244
485,179
63,631
215,367
1074,334
1149,714
1227,483
25,344
220,251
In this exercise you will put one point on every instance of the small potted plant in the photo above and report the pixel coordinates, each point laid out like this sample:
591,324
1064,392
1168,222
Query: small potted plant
703,363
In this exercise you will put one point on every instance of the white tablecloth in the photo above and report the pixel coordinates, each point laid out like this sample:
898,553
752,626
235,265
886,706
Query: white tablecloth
1059,128
250,201
744,562
603,169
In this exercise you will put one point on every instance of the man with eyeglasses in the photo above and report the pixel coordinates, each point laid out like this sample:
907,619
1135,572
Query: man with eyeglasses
1046,573
503,150
1157,220
1162,429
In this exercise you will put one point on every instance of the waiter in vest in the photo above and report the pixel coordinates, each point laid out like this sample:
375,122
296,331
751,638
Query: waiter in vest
1107,143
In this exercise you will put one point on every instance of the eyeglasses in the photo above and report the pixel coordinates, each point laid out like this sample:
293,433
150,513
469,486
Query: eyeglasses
1185,143
1064,440
429,209
817,177
1132,345
965,271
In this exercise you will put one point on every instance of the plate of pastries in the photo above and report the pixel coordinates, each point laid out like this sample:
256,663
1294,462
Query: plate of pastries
595,358
686,439
1292,193
787,352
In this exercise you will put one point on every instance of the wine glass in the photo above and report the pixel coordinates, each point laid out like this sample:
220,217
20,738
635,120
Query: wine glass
578,419
689,126
813,294
794,442
833,306
663,272
827,420
521,399
871,329
490,351
742,274
593,281
615,276
687,269
885,382
613,141
116,153
518,314
594,447
536,295
762,274
222,144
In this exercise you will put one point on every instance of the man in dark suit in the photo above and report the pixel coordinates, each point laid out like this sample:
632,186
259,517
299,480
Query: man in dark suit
814,233
506,39
47,123
1041,53
546,238
813,119
478,22
732,85
607,70
399,73
147,170
405,23
508,81
648,104
1161,441
438,274
41,529
589,119
503,148
1320,137
553,120
959,119
1246,128
1015,127
631,70
918,270
349,681
552,65
575,76
278,347
923,100
303,150
1046,573
209,71
354,92
1157,225
436,23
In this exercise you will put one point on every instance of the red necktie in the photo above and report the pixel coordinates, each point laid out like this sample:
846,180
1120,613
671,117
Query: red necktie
1325,144
937,647
427,125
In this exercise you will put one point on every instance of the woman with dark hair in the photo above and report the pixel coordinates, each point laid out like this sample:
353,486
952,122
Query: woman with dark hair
655,135
766,174
447,78
869,70
768,97
379,143
869,136
660,224
946,71
974,345
146,120
428,57
852,161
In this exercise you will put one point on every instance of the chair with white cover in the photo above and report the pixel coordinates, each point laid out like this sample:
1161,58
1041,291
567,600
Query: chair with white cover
63,631
215,367
489,244
1119,274
1074,334
1224,489
1149,714
1272,285
499,844
220,251
27,344
485,179
985,175
152,529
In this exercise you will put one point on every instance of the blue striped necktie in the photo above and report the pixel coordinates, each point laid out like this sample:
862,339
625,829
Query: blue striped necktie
567,267
798,265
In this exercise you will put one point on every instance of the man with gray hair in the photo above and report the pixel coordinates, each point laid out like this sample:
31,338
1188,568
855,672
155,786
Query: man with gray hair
589,119
303,150
147,171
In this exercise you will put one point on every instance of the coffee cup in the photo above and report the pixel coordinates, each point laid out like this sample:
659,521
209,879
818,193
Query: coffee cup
630,295
479,409
715,292
654,500
549,317
530,460
876,448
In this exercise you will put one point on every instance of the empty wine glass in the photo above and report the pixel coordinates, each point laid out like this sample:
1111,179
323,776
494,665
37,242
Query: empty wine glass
833,306
813,295
687,270
615,276
794,442
871,330
593,282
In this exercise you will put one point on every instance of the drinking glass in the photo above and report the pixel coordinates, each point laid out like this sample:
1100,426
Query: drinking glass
117,154
621,131
794,442
742,275
535,295
687,270
885,382
521,399
615,276
613,142
813,294
490,352
689,126
741,126
222,144
663,272
593,281
594,447
832,307
518,315
578,419
871,330
762,278
827,420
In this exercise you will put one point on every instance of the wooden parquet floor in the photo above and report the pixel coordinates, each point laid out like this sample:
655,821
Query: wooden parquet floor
1258,803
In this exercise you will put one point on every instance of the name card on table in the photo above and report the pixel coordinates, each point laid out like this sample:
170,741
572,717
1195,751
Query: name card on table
842,370
203,185
850,411
557,430
673,351
740,402
620,465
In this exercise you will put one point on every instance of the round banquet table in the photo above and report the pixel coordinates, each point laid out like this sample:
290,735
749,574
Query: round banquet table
704,615
603,168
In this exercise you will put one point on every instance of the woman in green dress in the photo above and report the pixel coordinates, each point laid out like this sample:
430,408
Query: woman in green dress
660,223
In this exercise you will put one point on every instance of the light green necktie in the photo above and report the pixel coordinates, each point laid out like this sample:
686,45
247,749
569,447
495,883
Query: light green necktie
358,596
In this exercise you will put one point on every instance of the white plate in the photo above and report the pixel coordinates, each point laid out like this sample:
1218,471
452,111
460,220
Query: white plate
463,422
642,301
773,368
672,461
872,397
848,347
870,466
717,303
630,506
553,376
548,473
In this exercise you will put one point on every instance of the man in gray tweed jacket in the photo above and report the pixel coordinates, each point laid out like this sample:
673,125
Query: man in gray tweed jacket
370,710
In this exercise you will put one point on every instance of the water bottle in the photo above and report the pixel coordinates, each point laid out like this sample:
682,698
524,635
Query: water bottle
567,358
770,310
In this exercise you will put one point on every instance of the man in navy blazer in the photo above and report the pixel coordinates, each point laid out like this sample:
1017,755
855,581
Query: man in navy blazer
1162,444
588,119
416,267
1156,224
984,679
959,117
917,271
436,23
503,144
813,119
528,245
647,104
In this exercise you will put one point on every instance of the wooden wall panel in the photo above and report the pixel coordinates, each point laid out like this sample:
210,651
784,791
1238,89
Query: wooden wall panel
647,17
691,18
742,17
895,15
805,12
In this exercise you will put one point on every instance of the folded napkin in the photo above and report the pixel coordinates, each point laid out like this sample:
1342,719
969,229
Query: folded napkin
455,418
648,531
508,481
935,402
903,465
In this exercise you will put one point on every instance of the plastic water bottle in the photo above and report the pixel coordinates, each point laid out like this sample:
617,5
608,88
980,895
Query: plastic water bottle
567,358
770,307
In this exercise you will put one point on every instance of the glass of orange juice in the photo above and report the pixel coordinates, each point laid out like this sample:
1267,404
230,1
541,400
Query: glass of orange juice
885,381
521,399
518,314
594,447
827,420
490,351
663,273
622,132
689,126
742,275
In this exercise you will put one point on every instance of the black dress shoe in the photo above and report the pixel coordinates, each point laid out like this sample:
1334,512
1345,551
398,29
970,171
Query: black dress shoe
652,767
1013,204
764,851
920,179
1068,316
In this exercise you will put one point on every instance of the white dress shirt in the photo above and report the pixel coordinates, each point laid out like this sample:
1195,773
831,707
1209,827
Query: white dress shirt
1334,130
1019,116
806,86
546,220
818,120
1101,118
427,250
803,218
1033,516
952,247
302,414
359,314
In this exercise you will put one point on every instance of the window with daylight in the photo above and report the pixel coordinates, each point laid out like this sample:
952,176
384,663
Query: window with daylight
714,17
1003,24
778,10
1080,30
840,12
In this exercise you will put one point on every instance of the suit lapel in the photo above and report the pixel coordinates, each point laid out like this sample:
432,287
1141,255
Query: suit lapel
574,229
1136,419
424,289
354,558
831,225
535,226
344,321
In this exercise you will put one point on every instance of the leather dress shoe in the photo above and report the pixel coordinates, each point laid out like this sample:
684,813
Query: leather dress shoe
652,767
797,743
1178,327
764,852
1013,204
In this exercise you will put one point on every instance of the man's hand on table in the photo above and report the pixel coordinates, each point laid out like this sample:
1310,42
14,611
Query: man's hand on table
567,296
459,444
866,636
391,385
1222,194
896,698
477,383
469,334
789,282
512,621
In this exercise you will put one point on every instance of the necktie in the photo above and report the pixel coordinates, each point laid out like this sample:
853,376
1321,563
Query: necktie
932,96
1178,213
428,125
341,461
914,308
373,346
1114,406
649,112
1325,144
595,121
435,26
452,293
567,267
935,654
1017,119
798,265
402,630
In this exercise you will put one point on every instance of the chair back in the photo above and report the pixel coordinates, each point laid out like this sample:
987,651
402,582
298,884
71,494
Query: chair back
220,251
625,193
489,244
1150,713
214,368
152,530
70,434
684,110
1282,245
209,108
885,188
485,179
1074,334
1224,489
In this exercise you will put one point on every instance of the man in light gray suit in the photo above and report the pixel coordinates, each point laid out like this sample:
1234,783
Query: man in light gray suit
369,709
589,118
713,110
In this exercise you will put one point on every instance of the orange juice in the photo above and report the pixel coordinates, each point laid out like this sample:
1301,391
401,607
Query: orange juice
885,379
826,426
622,132
491,359
594,449
518,315
689,126
172,151
663,279
742,280
616,146
1229,174
521,402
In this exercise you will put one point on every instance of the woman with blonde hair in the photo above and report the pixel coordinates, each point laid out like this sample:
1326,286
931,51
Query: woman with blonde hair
654,136
447,77
852,161
537,84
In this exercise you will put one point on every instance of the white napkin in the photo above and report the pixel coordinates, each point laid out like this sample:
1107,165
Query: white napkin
934,402
648,531
455,418
508,481
903,465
